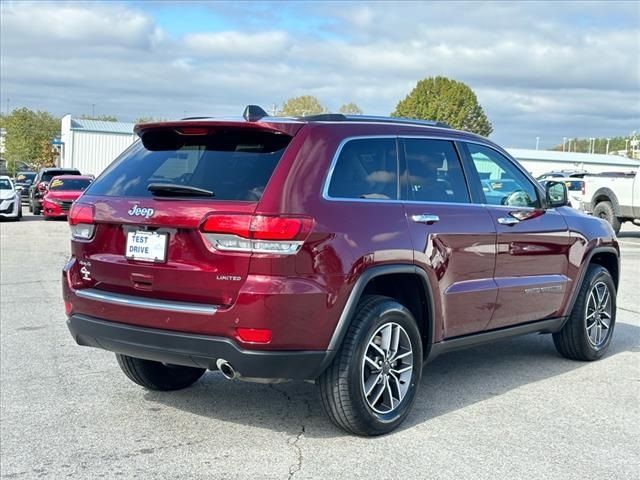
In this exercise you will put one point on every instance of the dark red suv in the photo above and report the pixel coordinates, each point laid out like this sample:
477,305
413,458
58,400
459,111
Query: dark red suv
345,250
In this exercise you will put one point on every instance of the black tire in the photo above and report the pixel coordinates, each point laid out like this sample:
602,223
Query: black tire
156,375
342,384
573,340
605,211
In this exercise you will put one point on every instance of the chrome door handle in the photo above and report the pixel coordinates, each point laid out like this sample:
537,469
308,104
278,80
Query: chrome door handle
425,218
509,221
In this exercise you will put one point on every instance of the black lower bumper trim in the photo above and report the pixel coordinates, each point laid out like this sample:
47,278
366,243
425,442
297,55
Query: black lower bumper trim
194,350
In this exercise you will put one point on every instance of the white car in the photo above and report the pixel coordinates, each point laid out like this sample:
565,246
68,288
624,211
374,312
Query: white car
10,204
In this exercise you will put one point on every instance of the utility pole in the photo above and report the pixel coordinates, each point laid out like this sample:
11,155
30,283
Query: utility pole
537,143
608,139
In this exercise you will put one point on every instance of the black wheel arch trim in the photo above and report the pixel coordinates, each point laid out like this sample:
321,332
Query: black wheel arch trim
583,272
356,293
611,197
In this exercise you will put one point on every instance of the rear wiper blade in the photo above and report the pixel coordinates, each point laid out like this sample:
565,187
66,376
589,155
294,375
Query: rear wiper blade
171,189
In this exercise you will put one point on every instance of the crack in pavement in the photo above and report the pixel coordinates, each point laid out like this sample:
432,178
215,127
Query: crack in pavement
293,440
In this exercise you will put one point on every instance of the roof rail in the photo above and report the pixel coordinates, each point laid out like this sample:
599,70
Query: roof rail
339,117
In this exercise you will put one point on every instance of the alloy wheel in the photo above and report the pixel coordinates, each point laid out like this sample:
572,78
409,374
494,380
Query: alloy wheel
598,314
387,368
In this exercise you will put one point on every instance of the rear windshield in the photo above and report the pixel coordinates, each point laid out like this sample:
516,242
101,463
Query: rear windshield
47,176
5,184
573,185
234,164
61,184
24,177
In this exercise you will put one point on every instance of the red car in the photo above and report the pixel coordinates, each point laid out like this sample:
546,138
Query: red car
62,191
345,250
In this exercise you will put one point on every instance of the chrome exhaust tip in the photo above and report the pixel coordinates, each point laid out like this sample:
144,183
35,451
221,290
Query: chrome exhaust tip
226,369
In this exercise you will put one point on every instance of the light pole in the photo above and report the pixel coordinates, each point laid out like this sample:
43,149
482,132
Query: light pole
608,139
564,142
537,142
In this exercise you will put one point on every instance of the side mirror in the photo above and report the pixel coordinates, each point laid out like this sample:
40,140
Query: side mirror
556,194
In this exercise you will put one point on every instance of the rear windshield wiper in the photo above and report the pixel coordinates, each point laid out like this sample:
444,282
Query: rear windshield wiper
173,190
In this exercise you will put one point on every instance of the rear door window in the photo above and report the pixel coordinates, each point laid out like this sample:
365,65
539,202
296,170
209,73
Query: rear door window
234,164
433,172
366,168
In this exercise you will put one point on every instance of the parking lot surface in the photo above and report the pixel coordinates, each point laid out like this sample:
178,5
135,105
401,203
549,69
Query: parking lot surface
514,409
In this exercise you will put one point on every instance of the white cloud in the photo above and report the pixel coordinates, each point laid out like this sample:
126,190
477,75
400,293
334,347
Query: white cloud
552,69
235,44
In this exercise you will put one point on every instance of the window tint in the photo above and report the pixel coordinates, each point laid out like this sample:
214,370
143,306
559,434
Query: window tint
501,181
434,172
235,164
366,168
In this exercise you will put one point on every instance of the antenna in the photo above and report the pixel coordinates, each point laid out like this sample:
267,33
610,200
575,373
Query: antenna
253,113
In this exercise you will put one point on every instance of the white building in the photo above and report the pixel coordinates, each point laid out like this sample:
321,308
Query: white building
91,145
542,161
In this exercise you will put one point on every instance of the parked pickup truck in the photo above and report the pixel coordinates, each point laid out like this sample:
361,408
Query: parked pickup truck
615,198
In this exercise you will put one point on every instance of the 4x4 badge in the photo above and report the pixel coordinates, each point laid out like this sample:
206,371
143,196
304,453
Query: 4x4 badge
137,211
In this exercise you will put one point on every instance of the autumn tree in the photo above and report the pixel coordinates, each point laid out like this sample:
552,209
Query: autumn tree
445,100
28,137
301,106
350,108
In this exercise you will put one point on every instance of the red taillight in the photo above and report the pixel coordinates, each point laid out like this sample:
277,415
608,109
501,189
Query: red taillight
81,214
281,235
280,228
228,224
81,221
254,335
67,307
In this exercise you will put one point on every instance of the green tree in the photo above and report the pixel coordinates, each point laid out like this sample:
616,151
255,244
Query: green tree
350,108
104,118
28,137
445,100
144,119
582,145
301,106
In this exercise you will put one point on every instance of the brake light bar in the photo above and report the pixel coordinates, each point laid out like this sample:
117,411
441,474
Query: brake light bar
283,235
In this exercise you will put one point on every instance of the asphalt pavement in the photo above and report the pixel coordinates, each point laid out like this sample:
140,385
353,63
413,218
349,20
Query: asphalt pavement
510,410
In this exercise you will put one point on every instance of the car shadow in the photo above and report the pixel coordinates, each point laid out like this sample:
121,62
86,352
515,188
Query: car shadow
453,381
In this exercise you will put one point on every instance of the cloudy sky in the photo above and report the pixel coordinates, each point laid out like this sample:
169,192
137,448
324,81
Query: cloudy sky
538,69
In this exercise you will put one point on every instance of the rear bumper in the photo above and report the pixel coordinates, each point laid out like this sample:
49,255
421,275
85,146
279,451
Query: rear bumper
194,350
